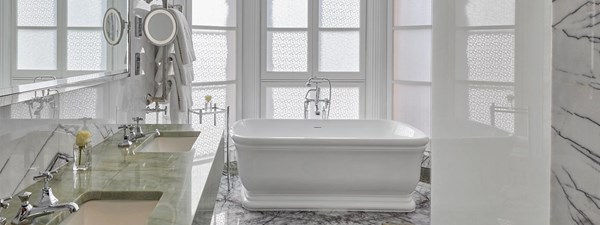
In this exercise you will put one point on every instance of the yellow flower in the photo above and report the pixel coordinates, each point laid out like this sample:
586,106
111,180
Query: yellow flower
83,137
207,98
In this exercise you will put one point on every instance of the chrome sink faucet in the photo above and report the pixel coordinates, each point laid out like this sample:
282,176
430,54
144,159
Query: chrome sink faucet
48,203
138,130
323,110
3,205
127,137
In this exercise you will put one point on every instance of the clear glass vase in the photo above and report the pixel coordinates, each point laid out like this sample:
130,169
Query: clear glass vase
82,157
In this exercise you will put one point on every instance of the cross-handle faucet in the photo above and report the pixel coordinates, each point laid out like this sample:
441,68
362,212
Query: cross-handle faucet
317,100
47,204
138,130
126,138
3,205
47,198
28,212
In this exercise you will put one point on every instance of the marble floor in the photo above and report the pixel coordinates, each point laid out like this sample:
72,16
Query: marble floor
228,210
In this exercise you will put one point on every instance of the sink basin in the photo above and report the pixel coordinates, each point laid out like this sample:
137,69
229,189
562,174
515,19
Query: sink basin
115,212
170,142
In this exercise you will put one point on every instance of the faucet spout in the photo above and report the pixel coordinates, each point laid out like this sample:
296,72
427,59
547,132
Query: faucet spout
28,213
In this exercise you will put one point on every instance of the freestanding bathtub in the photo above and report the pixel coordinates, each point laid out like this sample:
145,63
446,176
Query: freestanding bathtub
371,165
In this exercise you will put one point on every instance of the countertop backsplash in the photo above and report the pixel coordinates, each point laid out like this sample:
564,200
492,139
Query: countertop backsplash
29,140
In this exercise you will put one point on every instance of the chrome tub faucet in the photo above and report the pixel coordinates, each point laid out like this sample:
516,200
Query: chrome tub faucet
323,110
47,204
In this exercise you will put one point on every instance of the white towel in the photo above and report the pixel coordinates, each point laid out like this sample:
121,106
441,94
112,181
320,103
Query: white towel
184,46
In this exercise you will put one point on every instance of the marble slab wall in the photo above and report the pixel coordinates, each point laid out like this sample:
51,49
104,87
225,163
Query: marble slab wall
575,185
31,134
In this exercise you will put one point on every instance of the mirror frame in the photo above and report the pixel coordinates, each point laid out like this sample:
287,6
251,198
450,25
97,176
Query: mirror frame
121,26
153,40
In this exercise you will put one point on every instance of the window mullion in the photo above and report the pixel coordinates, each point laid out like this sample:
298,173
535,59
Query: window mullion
61,37
313,41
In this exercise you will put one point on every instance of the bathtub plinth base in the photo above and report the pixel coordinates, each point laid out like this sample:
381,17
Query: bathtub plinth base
300,202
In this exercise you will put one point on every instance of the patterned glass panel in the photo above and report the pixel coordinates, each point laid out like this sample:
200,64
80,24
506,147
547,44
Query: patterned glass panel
287,13
339,51
86,50
214,12
485,12
339,14
480,101
36,49
412,55
78,104
215,55
491,56
36,12
345,103
412,12
412,105
288,102
88,13
287,51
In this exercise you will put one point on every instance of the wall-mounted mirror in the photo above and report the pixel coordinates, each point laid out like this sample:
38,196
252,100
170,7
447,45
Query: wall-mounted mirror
160,27
59,39
113,26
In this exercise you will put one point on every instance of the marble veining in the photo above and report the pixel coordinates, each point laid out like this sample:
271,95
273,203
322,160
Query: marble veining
178,179
575,193
228,210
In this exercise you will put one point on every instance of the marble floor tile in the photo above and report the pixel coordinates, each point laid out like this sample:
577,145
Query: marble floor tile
228,210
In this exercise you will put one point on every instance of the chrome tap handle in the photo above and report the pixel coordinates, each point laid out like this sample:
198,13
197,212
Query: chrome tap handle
4,202
24,197
45,176
138,129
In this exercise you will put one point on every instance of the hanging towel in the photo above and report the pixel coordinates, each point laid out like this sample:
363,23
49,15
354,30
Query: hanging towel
184,48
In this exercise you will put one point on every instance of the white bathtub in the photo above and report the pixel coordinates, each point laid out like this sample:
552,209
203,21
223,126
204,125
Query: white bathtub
328,164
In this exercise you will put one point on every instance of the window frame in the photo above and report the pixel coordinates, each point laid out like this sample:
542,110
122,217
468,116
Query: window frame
313,30
61,28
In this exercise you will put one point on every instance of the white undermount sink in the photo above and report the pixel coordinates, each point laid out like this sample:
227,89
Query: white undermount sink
114,212
169,143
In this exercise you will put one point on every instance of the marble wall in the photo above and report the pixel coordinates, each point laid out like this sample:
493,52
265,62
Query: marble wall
31,134
575,193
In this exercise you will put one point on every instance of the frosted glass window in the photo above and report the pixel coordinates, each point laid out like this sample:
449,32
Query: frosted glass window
287,51
36,49
215,55
36,12
288,102
412,55
485,12
412,12
86,50
412,105
79,104
480,100
339,51
339,14
287,13
491,56
88,13
214,12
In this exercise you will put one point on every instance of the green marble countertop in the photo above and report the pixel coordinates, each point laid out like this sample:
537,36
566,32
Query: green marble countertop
182,182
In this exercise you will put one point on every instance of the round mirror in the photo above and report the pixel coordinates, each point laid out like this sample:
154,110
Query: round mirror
113,26
160,27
